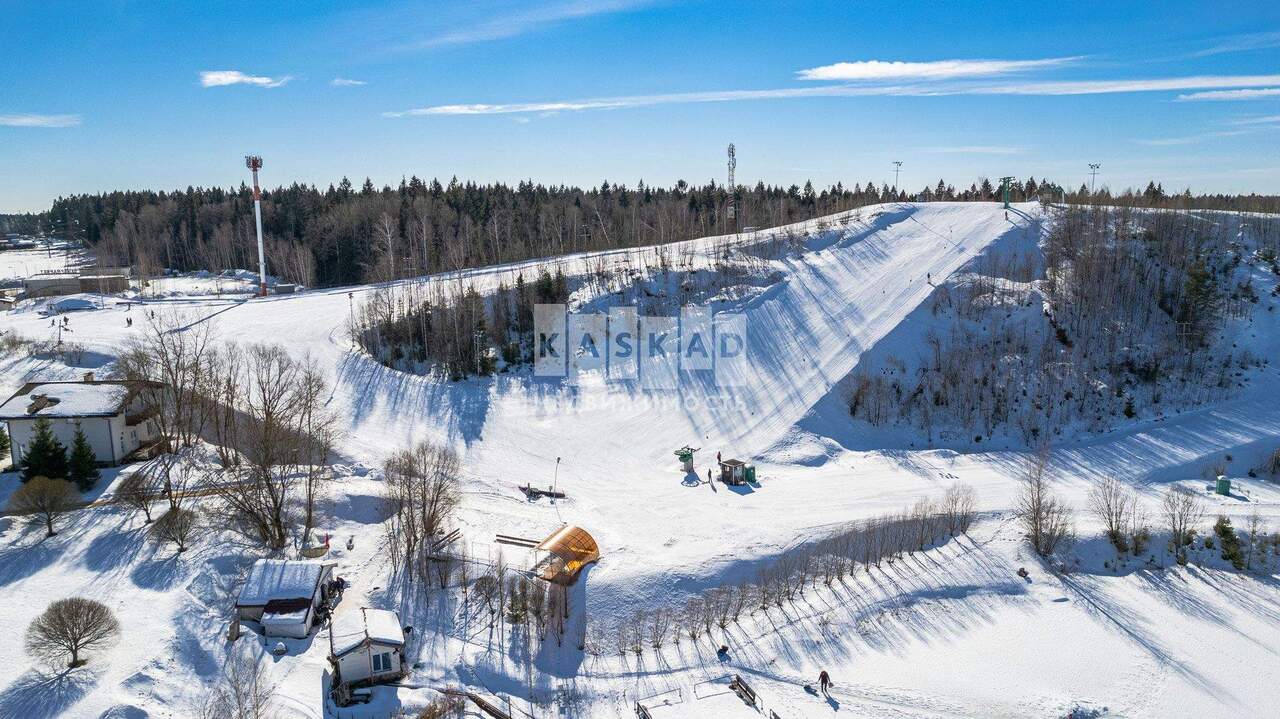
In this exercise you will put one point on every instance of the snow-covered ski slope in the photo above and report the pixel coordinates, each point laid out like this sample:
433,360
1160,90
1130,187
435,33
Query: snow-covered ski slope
923,641
805,332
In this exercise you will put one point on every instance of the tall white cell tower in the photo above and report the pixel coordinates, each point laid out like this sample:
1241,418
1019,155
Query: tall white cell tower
254,163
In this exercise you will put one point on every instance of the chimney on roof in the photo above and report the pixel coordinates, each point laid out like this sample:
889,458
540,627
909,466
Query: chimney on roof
38,402
88,376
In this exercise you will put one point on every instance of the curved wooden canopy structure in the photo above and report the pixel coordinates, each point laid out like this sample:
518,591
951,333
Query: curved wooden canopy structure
570,548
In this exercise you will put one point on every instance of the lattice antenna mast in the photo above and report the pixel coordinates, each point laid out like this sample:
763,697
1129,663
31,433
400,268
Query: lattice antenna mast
254,163
732,187
1093,175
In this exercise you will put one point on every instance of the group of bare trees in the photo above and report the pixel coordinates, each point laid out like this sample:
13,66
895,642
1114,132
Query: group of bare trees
422,491
1127,524
1120,511
1121,309
265,413
868,545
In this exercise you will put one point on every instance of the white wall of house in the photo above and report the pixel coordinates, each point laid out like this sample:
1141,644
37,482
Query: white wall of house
111,438
357,665
101,432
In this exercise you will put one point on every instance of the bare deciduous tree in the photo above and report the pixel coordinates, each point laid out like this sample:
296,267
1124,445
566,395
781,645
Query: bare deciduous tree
1044,518
69,627
422,490
285,436
242,693
1183,510
138,492
1112,504
177,526
46,499
173,351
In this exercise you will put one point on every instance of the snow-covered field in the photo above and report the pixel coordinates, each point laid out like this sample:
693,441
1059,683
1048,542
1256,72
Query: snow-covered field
950,632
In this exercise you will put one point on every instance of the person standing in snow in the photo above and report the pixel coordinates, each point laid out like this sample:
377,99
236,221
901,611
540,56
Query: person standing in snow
824,681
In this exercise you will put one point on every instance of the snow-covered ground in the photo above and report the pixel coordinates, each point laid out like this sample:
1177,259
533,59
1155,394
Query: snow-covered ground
950,632
16,265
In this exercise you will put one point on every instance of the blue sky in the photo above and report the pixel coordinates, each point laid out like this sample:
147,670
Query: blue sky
116,94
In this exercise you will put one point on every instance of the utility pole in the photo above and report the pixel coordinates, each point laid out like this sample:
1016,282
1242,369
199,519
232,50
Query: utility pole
254,163
897,166
1093,175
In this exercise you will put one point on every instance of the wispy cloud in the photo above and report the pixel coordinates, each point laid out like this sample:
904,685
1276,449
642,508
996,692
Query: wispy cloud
346,82
1242,43
920,89
864,70
1266,120
523,21
30,120
1227,95
973,150
1103,87
1191,139
223,78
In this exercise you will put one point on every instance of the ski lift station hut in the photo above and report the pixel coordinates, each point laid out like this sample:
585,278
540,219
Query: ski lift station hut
735,471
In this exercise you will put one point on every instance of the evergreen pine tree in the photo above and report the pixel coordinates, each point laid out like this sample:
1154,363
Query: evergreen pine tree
45,456
4,447
82,469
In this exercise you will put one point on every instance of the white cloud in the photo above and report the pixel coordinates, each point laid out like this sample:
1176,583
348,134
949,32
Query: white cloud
974,150
864,70
1247,94
1102,87
223,78
346,82
528,20
921,89
1267,120
1196,139
1243,43
30,120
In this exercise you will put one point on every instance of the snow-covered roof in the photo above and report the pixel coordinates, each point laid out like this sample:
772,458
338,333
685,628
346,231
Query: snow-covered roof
67,399
272,579
348,630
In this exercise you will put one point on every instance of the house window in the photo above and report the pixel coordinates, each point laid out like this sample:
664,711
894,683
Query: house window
382,662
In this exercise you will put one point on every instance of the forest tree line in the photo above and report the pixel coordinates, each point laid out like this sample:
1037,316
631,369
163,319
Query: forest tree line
349,235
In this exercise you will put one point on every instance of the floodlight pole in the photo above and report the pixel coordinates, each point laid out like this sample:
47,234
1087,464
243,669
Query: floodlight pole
897,166
1093,175
254,163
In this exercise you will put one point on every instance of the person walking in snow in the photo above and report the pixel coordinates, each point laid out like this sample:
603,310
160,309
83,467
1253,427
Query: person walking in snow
824,681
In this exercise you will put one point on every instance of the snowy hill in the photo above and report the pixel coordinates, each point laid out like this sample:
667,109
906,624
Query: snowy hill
948,632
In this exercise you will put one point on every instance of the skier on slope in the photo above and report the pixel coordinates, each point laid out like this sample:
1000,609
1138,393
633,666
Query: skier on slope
824,681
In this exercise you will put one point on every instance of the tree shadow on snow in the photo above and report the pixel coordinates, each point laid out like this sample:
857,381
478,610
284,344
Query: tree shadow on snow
41,695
